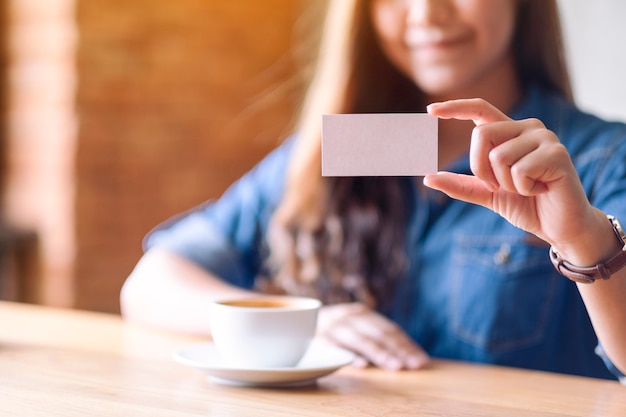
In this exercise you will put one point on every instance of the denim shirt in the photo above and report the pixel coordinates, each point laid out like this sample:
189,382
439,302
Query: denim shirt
477,288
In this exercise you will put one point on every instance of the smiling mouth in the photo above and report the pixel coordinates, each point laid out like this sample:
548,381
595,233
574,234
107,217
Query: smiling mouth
433,42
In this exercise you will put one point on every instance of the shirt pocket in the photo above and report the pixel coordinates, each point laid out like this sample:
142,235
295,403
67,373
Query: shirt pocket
502,288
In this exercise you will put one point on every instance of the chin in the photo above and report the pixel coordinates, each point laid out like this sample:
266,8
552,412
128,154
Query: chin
438,90
441,85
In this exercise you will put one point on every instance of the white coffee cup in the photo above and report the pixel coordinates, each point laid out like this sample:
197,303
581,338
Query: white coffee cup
263,332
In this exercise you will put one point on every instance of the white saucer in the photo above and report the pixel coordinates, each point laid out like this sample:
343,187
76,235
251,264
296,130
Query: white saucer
321,359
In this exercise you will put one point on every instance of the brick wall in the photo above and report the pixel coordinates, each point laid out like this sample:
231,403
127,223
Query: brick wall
173,100
39,138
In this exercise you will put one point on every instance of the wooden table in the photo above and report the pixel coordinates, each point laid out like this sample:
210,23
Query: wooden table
56,362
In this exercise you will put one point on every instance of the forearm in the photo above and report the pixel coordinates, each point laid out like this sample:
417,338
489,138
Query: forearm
604,299
607,310
166,290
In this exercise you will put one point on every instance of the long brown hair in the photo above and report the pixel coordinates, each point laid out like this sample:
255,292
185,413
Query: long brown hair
343,239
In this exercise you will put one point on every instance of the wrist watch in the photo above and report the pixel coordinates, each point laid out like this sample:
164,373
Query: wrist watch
589,274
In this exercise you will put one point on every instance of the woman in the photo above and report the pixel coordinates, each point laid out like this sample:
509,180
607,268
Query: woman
406,272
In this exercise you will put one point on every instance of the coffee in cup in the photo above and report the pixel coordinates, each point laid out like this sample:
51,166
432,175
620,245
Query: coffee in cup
263,332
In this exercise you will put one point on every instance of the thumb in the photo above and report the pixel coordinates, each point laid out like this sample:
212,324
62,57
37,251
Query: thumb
461,187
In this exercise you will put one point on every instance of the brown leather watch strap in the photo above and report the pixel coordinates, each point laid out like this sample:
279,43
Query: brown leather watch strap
588,274
604,270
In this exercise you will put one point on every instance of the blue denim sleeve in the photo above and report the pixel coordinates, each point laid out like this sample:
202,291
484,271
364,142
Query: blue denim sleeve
608,189
602,354
224,236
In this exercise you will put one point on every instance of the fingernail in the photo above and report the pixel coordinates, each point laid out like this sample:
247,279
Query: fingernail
393,364
360,362
414,362
431,106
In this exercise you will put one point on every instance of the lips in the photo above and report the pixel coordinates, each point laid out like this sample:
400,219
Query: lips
433,38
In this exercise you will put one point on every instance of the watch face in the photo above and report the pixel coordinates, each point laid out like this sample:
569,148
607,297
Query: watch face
619,230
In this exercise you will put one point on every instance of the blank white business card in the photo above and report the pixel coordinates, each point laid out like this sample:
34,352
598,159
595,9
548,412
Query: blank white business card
391,144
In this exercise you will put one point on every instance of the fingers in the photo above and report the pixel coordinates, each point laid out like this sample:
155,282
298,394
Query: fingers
493,128
475,109
485,139
391,348
507,154
360,362
373,338
391,353
521,171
